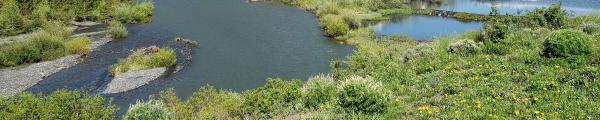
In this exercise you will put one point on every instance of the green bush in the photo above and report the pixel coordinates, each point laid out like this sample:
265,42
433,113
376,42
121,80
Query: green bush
11,21
358,95
40,46
465,47
495,30
318,91
552,17
116,30
216,104
206,103
150,110
567,43
351,18
275,98
133,13
334,25
80,45
142,59
60,104
58,29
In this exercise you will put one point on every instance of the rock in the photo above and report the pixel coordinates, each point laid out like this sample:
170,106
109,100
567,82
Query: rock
149,49
186,41
133,79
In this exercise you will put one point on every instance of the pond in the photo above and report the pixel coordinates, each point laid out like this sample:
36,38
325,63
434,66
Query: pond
577,7
241,45
422,27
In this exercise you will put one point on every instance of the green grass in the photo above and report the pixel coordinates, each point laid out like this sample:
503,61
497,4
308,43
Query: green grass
61,104
26,16
80,45
116,30
139,60
133,13
41,46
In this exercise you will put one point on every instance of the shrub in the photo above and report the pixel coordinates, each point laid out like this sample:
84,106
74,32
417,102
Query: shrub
495,30
116,30
80,45
133,13
57,29
150,110
318,91
60,104
591,29
142,59
40,46
327,8
418,52
465,47
552,17
351,18
274,98
216,104
11,21
567,43
50,45
358,95
334,25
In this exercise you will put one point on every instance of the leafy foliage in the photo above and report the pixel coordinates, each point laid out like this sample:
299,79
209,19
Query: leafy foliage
274,98
150,110
334,25
60,104
567,43
20,16
363,95
116,30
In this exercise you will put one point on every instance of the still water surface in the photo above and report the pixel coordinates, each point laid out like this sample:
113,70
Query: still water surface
577,7
428,27
423,28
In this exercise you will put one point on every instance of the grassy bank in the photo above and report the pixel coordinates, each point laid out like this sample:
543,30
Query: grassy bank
49,43
18,16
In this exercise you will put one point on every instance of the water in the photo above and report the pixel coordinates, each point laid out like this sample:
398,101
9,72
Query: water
576,7
429,27
241,45
423,27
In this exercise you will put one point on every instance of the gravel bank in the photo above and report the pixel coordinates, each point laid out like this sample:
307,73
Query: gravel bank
14,80
17,79
134,79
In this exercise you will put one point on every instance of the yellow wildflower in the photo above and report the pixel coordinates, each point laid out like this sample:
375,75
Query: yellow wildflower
517,113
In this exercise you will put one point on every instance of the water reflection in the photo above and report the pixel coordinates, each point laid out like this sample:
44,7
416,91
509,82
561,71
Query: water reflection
422,27
577,7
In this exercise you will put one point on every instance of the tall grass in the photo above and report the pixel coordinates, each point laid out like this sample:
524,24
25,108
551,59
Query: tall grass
116,30
80,45
139,60
60,104
20,16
